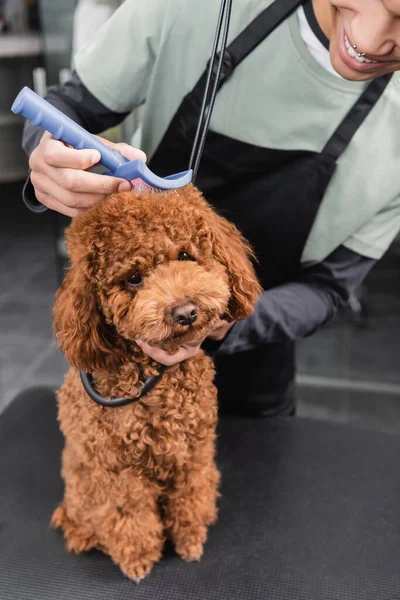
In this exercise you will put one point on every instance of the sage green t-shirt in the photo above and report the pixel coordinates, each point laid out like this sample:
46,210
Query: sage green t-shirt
152,52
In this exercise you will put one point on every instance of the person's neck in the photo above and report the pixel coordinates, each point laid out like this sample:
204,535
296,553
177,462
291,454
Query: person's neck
323,14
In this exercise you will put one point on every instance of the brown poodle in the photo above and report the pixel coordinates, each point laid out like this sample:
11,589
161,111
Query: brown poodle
162,267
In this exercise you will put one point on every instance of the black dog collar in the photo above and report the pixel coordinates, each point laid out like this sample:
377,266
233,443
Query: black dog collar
87,382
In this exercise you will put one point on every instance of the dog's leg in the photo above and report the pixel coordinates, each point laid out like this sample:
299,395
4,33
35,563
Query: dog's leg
130,529
191,506
73,515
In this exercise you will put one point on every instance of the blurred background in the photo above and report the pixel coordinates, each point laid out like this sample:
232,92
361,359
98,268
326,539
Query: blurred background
347,372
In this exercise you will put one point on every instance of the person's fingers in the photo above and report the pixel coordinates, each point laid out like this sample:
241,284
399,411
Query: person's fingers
220,330
162,357
84,182
57,206
187,351
74,200
57,154
126,150
65,166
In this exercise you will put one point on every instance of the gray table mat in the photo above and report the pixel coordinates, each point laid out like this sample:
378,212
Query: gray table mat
309,511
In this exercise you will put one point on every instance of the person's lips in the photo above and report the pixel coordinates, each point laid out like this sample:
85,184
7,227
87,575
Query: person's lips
355,59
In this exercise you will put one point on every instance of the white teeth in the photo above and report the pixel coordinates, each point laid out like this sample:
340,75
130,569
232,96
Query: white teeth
354,54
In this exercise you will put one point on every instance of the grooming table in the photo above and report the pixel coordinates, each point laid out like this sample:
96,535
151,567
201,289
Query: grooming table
309,511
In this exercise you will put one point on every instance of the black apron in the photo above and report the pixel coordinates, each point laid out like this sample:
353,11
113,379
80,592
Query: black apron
273,197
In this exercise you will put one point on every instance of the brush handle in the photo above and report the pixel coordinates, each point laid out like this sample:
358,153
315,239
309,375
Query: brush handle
41,113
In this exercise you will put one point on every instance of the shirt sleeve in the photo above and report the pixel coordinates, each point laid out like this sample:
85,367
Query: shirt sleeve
117,66
296,309
375,237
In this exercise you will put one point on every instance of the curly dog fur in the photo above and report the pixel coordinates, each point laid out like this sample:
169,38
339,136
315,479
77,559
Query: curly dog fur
138,474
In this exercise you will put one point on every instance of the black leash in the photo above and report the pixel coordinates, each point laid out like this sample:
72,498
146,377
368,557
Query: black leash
214,70
87,382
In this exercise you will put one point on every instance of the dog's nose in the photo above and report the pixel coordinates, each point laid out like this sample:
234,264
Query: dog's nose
185,314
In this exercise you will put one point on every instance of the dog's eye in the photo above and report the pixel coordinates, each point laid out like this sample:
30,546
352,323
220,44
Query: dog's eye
134,279
185,256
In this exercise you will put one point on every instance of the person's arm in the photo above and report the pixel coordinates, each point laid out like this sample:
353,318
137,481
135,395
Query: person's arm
296,309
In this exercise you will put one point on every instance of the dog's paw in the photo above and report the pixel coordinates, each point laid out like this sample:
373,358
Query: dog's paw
190,551
58,517
78,538
136,571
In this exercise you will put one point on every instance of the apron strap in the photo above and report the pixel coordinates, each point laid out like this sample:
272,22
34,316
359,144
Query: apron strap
255,33
343,135
260,28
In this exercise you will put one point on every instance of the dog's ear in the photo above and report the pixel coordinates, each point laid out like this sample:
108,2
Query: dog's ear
232,250
79,324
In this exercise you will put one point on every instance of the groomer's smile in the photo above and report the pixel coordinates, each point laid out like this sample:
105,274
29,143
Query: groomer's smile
364,36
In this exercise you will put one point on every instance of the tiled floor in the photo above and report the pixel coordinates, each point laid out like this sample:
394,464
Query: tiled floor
347,372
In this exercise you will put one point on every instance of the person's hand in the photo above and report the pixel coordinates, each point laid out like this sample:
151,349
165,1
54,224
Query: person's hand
60,178
218,332
183,353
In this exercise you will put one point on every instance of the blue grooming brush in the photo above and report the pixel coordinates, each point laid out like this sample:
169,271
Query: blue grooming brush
40,112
